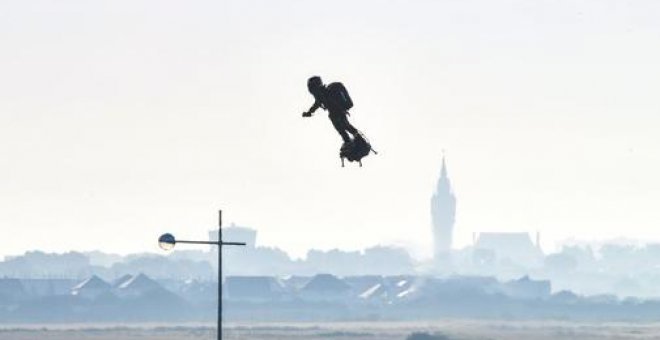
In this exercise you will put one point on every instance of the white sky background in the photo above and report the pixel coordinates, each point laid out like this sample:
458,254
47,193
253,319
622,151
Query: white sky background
120,120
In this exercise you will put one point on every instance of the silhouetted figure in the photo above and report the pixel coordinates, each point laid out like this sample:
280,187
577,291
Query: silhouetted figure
335,99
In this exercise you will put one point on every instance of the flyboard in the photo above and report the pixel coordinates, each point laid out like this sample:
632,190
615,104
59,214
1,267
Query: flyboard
356,149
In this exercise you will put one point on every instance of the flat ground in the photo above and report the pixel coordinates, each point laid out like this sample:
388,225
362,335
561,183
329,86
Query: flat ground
443,330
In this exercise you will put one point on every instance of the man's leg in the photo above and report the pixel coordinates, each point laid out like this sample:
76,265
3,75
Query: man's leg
348,126
340,126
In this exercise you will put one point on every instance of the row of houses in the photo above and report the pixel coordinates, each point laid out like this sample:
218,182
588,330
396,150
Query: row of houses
138,298
376,289
321,287
127,286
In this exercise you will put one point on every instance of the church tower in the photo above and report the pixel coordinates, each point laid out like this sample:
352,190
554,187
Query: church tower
443,211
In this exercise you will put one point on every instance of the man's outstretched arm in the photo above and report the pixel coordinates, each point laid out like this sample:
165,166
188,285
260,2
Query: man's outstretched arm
311,110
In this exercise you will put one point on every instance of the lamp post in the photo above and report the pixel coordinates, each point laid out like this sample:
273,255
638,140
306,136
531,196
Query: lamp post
167,242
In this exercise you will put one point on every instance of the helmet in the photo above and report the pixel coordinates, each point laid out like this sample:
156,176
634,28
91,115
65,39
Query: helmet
314,84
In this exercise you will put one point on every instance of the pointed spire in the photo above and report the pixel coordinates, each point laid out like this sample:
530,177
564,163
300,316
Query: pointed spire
443,211
444,185
443,172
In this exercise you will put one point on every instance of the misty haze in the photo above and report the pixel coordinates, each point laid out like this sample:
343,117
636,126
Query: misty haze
513,193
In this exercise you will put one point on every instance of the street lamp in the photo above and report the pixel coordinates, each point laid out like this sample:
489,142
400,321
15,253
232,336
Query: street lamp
168,241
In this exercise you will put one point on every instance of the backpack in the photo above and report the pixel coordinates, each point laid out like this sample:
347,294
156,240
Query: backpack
339,95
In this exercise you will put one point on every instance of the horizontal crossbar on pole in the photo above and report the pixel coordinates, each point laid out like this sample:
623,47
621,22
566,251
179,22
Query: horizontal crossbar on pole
212,243
198,242
233,243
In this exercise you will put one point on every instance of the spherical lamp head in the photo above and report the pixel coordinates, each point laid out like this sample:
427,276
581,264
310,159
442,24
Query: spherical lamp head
166,241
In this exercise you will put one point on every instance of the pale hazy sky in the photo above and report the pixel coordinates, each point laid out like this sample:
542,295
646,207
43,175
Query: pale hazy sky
120,120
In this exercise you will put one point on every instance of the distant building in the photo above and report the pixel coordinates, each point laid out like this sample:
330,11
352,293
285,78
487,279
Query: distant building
197,291
91,288
443,211
380,289
136,286
526,288
325,287
509,247
253,288
295,283
48,287
11,289
236,234
364,283
121,280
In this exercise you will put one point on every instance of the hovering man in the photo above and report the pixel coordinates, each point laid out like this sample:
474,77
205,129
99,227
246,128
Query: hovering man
335,99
